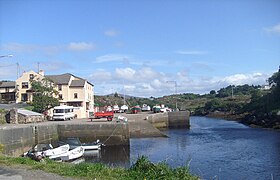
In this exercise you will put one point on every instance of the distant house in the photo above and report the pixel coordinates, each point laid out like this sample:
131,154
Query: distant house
23,86
7,91
73,90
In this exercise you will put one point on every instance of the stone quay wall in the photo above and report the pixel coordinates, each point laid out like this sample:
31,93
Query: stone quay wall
176,119
17,139
108,133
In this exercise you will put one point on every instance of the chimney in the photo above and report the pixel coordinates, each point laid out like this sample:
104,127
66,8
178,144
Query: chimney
42,73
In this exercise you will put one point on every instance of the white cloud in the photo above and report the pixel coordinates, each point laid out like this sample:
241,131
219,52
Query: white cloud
146,81
240,79
127,74
48,49
112,57
111,33
54,65
8,73
81,46
17,47
191,52
275,29
100,76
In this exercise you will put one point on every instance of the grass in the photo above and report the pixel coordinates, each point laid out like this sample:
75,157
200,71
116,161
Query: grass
2,116
142,169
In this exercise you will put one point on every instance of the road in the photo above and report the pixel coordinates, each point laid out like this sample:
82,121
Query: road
20,173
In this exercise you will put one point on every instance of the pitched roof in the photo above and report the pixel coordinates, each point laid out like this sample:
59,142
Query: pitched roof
4,84
65,78
60,79
77,83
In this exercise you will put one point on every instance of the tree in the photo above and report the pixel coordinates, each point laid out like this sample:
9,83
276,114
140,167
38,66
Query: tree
212,92
43,95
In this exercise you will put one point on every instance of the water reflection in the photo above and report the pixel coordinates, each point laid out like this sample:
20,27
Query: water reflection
215,149
110,155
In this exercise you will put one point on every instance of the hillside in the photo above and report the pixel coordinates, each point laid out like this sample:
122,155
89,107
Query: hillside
251,105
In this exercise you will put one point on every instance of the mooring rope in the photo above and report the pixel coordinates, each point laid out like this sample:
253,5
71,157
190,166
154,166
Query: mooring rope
111,134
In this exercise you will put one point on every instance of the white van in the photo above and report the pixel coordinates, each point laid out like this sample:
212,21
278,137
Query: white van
63,112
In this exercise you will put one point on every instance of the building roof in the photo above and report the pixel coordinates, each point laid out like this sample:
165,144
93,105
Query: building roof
28,113
60,79
4,84
77,83
65,78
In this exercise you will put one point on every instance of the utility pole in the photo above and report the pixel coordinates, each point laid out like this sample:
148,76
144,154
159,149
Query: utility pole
17,70
232,91
38,66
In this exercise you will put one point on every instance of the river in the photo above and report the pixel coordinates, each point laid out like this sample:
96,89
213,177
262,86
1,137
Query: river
213,149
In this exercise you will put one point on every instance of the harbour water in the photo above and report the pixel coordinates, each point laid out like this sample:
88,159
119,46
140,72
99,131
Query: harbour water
213,149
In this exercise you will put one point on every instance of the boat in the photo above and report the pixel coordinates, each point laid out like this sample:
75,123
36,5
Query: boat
124,108
116,108
46,150
69,155
145,107
72,154
75,142
56,151
40,151
156,109
136,109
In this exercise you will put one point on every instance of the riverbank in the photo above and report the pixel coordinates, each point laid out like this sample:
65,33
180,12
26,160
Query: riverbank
142,169
269,122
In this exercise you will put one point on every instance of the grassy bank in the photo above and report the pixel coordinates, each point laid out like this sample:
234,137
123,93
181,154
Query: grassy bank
142,169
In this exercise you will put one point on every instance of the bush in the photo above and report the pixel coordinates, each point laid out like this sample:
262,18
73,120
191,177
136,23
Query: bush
2,116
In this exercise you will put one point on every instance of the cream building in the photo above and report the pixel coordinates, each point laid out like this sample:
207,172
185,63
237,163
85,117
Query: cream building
23,86
72,91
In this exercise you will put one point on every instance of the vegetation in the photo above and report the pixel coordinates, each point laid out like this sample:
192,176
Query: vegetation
2,116
142,169
43,95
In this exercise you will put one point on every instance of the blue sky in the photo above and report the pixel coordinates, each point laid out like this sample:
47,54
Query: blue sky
135,47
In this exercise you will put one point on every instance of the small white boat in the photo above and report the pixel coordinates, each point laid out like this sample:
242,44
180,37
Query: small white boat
124,108
145,107
47,150
75,142
56,151
116,108
72,154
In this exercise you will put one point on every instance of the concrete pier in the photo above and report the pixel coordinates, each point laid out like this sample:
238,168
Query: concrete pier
148,124
176,119
15,139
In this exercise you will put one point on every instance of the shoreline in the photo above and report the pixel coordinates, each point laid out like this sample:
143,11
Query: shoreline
241,118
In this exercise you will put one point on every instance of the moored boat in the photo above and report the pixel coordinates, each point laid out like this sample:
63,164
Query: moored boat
75,142
72,154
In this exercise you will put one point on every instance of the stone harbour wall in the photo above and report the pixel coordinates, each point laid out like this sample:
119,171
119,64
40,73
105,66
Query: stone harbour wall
176,119
17,139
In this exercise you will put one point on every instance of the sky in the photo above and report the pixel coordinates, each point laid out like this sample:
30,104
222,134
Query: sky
143,47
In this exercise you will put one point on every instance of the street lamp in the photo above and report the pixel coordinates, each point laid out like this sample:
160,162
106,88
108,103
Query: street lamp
3,56
175,84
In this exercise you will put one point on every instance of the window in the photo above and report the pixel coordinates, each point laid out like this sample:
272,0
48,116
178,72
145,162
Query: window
75,104
59,87
24,85
75,95
60,96
31,76
7,89
24,97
